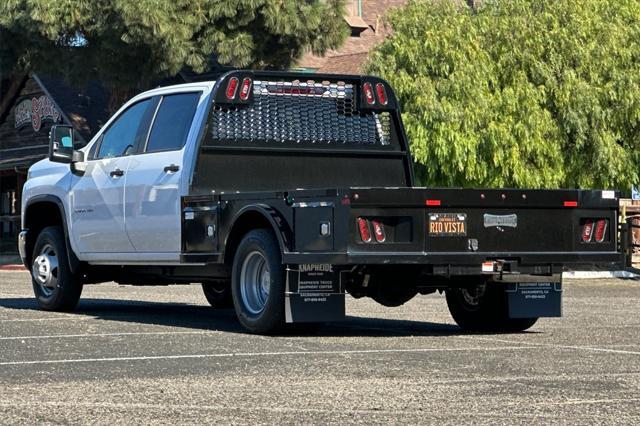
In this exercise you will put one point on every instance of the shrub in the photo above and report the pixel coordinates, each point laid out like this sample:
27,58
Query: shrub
518,93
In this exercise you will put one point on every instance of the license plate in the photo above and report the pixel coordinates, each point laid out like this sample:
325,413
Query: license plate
447,224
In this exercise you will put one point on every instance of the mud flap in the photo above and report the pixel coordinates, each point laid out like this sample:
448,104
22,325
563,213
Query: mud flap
314,293
533,300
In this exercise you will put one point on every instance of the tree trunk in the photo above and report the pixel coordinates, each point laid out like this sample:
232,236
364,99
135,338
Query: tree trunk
117,98
474,4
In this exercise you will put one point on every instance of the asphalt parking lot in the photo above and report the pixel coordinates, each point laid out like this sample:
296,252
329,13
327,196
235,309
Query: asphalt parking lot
161,355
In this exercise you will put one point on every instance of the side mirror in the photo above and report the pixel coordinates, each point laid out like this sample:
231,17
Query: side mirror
61,143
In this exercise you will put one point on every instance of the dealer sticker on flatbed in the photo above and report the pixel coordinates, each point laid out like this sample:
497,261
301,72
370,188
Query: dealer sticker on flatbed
447,224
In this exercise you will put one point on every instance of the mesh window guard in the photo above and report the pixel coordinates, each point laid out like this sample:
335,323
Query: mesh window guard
300,112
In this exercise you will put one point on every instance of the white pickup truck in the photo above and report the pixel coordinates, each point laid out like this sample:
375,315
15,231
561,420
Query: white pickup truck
280,194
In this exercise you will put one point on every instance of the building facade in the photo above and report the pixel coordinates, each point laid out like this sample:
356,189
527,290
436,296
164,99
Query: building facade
369,28
30,105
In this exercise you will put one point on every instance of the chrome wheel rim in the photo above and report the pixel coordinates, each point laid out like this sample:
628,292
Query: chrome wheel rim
255,282
45,270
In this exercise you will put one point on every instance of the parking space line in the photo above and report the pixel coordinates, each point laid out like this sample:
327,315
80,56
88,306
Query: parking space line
133,333
586,401
537,378
58,318
263,354
551,345
163,406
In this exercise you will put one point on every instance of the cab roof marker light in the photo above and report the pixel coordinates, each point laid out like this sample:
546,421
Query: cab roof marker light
232,88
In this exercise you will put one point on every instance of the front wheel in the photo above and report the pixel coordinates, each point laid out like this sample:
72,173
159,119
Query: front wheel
56,288
258,282
483,307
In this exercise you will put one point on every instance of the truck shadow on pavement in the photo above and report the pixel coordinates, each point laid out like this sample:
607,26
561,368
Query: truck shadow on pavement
171,314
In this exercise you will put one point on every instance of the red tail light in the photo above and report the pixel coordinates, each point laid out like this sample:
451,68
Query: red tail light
232,88
365,232
595,230
571,204
382,94
245,89
378,231
368,93
432,202
587,231
601,230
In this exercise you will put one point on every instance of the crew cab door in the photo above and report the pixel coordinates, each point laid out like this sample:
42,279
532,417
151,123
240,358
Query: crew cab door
152,194
97,196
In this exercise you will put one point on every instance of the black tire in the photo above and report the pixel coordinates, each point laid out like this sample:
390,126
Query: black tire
483,308
56,288
218,294
259,243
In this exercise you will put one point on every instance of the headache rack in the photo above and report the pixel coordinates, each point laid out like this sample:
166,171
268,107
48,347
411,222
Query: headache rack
293,108
323,129
300,112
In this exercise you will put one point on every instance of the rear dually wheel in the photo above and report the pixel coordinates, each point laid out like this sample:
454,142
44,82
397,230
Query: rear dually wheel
258,282
218,294
482,307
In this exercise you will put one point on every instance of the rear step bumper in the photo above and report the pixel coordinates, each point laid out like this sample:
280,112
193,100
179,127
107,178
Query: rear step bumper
455,258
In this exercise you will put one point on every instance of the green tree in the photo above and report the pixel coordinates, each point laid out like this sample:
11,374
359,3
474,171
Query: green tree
128,44
519,93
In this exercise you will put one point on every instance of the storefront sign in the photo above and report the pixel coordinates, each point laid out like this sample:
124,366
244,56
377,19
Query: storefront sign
35,111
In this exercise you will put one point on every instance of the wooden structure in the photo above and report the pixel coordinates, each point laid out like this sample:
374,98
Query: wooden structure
630,214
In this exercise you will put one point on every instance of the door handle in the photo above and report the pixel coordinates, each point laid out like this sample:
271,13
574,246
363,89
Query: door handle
171,168
116,173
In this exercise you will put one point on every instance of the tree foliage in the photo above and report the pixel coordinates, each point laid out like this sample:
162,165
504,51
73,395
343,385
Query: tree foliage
129,43
519,93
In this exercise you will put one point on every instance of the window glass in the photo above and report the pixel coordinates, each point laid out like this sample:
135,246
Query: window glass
120,137
173,121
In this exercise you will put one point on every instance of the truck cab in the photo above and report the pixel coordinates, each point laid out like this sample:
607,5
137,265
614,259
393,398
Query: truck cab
122,202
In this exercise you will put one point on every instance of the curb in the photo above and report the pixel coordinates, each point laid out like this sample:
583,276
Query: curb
580,275
13,267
